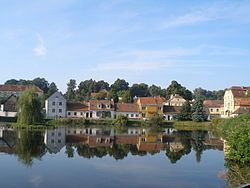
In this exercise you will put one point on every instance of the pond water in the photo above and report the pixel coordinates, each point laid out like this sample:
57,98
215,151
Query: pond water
96,157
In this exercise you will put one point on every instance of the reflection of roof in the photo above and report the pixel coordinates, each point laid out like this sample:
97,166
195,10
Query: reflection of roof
19,88
77,106
97,141
213,103
126,107
149,147
127,139
171,109
151,100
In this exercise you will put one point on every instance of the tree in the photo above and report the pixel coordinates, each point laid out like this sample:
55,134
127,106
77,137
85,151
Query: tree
29,108
11,82
139,90
52,89
101,85
203,94
155,91
121,120
42,83
101,95
176,88
120,85
155,120
85,88
198,114
185,113
70,94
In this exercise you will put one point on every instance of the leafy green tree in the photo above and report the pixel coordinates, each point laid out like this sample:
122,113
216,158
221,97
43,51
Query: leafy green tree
112,95
120,85
52,89
198,114
42,83
121,120
155,90
11,82
101,85
125,96
139,90
155,120
101,95
29,108
71,86
176,88
185,113
203,94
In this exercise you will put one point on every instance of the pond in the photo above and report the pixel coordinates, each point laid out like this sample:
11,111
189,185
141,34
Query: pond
98,157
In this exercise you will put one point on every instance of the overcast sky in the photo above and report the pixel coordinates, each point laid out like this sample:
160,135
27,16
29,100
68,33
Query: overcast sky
198,43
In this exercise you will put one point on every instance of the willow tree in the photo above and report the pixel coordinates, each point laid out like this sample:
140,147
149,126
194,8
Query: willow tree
29,108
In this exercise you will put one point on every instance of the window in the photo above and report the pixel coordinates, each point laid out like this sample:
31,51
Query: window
143,108
75,113
69,113
59,141
81,113
60,103
217,110
52,141
53,110
59,134
136,115
99,106
60,110
53,103
107,106
52,134
131,115
211,110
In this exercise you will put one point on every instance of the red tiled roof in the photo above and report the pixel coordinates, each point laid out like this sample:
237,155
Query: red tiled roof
77,106
213,103
149,147
93,105
151,100
126,107
19,88
239,92
242,102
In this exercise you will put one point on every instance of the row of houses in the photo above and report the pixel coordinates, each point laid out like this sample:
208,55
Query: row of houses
57,107
236,101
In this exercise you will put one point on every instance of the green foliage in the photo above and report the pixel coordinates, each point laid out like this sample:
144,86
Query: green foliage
155,120
139,90
155,91
52,89
236,131
121,120
71,86
198,114
29,108
112,95
120,85
125,95
101,95
202,94
185,113
176,88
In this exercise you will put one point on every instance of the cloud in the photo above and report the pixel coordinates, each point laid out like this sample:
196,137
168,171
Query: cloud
40,49
36,180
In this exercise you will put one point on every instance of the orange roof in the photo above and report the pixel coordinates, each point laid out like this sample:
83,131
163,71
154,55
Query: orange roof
126,107
151,100
77,106
19,88
212,103
242,102
239,92
148,147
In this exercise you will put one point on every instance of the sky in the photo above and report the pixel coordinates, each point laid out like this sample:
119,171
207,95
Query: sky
198,43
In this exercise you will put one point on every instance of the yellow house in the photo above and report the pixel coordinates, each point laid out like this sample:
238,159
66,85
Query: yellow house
149,106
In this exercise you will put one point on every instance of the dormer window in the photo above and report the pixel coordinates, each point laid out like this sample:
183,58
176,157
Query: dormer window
108,106
99,106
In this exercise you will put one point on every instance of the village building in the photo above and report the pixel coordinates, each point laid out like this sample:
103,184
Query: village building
16,90
176,100
236,101
170,112
8,107
55,106
130,110
149,106
213,108
77,110
101,109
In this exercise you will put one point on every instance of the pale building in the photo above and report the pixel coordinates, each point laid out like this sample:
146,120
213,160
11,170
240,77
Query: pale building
130,110
99,109
236,101
213,108
176,100
55,106
77,110
8,107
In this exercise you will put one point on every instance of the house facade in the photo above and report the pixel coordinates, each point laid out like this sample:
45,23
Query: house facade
8,107
176,100
16,90
170,112
130,110
236,101
77,110
149,106
55,106
99,109
213,108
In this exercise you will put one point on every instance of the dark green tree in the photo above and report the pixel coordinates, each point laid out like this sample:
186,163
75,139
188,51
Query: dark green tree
139,90
176,88
71,93
185,113
155,91
52,89
120,85
198,114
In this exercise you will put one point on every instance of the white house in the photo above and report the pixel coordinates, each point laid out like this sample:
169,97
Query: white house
131,110
56,106
8,107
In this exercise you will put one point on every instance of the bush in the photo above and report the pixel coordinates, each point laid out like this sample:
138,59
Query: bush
155,120
121,120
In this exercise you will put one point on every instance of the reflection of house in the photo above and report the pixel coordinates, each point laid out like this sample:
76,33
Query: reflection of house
54,139
149,106
127,139
236,101
213,108
77,110
8,90
101,109
176,146
128,109
150,143
137,131
8,107
176,100
55,106
7,141
100,141
171,111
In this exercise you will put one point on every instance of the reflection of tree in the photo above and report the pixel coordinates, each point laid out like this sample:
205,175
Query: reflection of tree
237,174
69,150
197,143
30,145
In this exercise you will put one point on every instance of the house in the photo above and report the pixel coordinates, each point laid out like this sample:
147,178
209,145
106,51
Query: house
16,90
213,108
8,107
55,106
150,143
169,112
54,139
236,101
101,109
149,106
77,110
130,110
176,100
